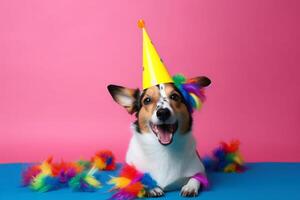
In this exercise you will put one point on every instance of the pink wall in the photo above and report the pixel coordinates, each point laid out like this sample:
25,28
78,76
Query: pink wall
58,56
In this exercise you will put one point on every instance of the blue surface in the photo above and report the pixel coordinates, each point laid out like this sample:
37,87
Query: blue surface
260,181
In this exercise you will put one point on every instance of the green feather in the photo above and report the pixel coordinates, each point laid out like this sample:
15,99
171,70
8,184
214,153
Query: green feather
178,79
75,181
230,157
85,164
84,182
39,183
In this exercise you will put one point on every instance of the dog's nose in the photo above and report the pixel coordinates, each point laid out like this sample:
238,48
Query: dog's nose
163,114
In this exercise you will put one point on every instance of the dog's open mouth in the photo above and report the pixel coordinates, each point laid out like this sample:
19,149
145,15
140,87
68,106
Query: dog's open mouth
164,132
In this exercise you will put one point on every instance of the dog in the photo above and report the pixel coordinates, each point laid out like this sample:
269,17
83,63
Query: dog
162,143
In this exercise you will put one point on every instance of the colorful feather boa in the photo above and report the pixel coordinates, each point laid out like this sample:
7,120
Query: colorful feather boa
131,184
80,176
225,158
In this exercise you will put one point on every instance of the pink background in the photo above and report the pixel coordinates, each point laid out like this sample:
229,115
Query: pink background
58,56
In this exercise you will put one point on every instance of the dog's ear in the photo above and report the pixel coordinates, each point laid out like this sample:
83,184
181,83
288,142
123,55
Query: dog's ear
126,97
202,81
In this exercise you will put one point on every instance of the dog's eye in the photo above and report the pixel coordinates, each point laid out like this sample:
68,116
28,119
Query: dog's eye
175,97
147,100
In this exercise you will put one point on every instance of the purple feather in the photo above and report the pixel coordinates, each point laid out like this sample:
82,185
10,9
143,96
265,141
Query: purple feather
65,176
202,179
191,87
122,195
194,88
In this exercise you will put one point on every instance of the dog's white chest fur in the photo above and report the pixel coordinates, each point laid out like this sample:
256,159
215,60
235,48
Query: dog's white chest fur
171,166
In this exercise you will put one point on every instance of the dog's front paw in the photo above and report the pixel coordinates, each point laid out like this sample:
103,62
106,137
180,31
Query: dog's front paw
155,192
191,189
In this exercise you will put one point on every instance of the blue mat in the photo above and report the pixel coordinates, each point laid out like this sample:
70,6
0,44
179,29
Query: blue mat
260,181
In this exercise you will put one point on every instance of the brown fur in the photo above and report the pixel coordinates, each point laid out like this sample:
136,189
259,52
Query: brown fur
144,112
178,107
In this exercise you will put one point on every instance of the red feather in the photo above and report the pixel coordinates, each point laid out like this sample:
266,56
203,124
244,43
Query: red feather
232,147
134,188
29,174
129,172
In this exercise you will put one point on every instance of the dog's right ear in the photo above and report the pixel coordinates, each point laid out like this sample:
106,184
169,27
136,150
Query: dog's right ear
126,97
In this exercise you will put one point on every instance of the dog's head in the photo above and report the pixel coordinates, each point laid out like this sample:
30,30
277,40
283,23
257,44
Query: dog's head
160,110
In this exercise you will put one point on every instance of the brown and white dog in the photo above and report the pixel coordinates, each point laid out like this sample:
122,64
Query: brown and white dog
162,143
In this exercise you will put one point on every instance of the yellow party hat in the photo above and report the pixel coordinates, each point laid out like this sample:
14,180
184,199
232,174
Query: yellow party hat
154,70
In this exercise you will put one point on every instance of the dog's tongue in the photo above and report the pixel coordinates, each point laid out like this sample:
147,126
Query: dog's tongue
164,132
164,135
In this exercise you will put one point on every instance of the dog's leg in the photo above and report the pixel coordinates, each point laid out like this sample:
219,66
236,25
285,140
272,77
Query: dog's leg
155,192
190,189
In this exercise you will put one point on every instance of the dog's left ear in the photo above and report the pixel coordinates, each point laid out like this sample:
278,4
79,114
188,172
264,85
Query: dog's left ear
202,81
126,97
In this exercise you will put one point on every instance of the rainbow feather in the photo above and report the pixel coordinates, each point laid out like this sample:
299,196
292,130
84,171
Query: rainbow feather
192,92
80,175
119,182
226,158
85,181
29,174
45,183
104,160
131,184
